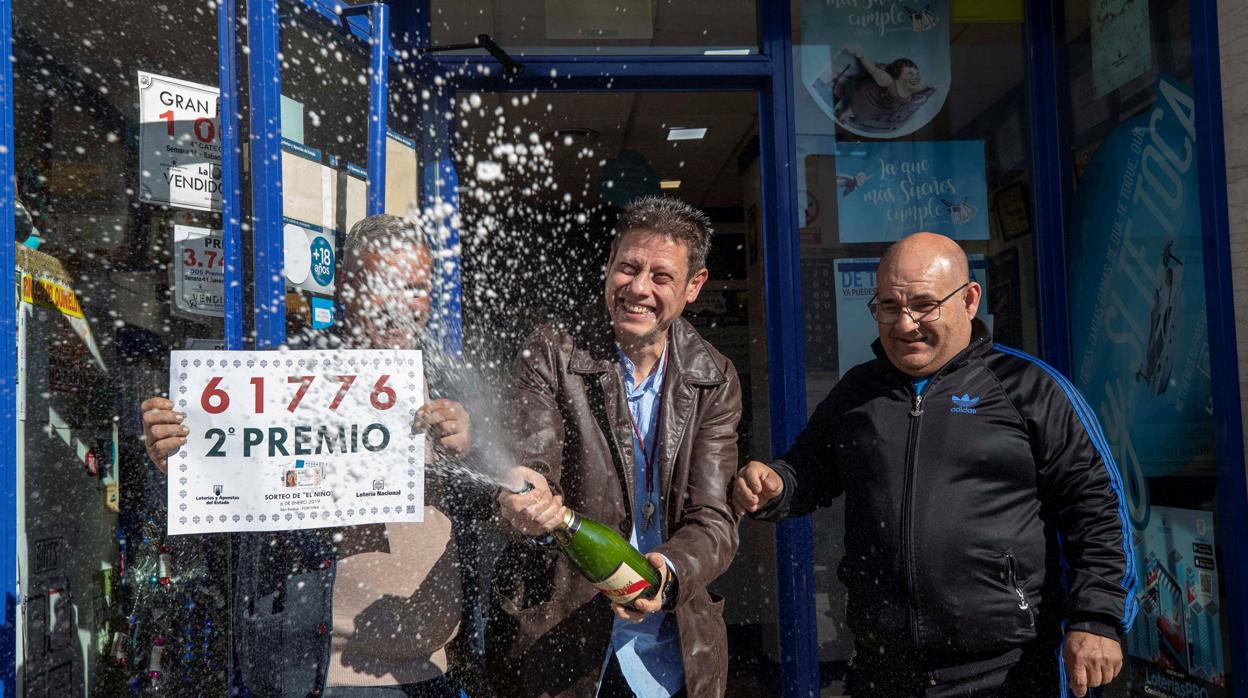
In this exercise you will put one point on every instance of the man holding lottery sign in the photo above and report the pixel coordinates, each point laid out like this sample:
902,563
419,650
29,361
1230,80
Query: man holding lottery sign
352,609
296,439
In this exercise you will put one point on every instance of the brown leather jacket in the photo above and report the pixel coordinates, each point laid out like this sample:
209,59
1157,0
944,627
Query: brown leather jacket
548,629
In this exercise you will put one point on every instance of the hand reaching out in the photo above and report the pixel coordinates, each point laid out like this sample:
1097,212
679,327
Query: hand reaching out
757,484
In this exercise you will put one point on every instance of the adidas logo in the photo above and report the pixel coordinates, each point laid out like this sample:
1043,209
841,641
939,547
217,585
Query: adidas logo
964,404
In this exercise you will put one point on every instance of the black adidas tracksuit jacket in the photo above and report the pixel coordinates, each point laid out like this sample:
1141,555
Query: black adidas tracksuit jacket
979,517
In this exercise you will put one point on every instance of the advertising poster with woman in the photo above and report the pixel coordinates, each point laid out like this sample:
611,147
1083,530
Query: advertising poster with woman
879,68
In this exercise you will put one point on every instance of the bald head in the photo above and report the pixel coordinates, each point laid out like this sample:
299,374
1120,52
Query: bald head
928,249
924,303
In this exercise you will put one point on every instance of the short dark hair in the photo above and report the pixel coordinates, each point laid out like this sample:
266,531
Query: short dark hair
673,218
383,234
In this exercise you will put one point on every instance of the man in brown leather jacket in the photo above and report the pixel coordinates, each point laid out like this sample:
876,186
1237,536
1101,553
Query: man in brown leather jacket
629,418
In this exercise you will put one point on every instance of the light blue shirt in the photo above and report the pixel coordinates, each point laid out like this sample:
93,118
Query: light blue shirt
649,651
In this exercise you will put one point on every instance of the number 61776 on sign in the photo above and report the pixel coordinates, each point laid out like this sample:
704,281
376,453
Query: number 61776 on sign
297,439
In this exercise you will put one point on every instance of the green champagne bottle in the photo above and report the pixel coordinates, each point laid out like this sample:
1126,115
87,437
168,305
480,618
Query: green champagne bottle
608,561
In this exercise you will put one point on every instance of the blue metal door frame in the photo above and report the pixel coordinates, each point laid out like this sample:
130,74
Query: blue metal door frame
378,97
439,204
231,153
1232,481
795,555
1051,170
265,96
8,367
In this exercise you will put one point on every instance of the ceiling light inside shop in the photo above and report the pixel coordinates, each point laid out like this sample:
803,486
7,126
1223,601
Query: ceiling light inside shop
572,135
726,52
669,184
686,134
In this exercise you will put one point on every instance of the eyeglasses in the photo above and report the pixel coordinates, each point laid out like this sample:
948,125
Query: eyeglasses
889,312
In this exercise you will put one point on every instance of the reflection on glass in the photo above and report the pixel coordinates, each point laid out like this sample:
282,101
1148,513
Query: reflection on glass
1139,323
324,112
117,158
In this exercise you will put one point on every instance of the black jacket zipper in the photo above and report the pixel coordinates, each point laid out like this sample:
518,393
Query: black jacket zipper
1023,603
907,497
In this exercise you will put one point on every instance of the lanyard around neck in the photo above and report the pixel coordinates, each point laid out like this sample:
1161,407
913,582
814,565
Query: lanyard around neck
649,456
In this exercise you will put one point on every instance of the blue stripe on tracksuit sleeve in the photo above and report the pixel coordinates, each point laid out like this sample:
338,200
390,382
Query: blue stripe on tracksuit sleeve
1090,424
1061,665
1088,418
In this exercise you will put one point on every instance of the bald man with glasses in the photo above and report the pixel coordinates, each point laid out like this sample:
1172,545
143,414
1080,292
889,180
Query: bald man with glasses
987,551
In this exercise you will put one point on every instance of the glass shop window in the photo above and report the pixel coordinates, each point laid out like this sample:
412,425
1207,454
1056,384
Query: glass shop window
120,261
325,149
905,122
1139,327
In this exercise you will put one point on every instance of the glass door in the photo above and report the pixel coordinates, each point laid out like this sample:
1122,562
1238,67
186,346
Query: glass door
542,178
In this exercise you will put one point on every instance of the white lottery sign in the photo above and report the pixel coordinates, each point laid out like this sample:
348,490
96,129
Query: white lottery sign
199,271
179,143
296,439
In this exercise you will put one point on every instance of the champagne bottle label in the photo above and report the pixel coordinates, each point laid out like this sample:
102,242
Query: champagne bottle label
623,585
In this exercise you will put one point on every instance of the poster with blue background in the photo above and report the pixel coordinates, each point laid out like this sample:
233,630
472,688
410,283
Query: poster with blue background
1176,640
890,189
879,68
1137,297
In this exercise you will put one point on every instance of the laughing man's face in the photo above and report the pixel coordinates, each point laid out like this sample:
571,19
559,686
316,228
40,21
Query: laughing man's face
922,348
648,286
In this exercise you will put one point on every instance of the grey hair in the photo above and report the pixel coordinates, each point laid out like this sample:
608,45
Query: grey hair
673,218
382,234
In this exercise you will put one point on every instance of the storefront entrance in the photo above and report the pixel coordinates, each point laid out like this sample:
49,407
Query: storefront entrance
173,174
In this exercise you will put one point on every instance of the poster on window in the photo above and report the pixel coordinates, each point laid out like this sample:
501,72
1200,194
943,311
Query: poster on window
1122,47
878,68
1137,296
820,305
855,330
310,256
855,285
179,143
296,439
198,271
890,189
1175,644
